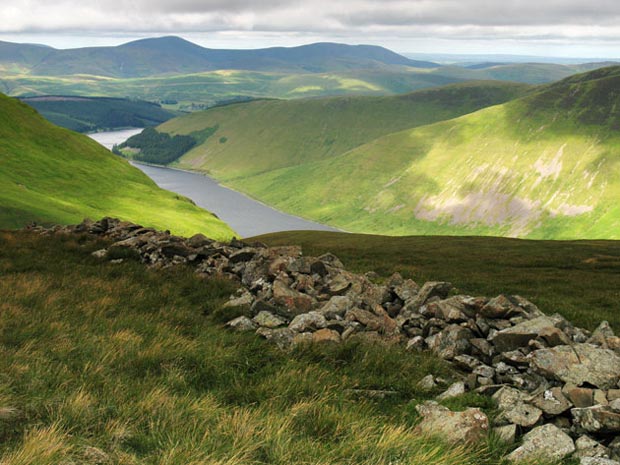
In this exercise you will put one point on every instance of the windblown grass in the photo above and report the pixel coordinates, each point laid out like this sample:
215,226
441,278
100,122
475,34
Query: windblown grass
104,363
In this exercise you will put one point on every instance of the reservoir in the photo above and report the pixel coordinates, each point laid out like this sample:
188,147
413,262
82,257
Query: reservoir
245,215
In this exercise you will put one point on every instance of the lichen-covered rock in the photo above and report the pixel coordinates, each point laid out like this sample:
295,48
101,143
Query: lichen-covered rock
518,336
552,402
311,321
268,320
596,419
468,426
325,335
452,341
242,324
502,306
430,289
243,299
514,409
282,337
544,443
588,447
455,390
296,302
597,461
336,307
578,364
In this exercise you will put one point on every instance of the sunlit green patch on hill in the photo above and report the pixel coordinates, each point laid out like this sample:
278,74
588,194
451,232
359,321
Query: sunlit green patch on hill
543,166
52,175
270,134
109,363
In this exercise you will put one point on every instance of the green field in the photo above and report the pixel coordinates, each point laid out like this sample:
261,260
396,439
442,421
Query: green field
109,363
52,175
542,166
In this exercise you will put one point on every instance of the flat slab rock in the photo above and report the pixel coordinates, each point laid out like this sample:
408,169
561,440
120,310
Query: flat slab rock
519,335
597,419
468,426
578,364
544,443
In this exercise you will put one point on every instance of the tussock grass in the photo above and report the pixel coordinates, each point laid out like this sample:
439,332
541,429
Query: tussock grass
124,365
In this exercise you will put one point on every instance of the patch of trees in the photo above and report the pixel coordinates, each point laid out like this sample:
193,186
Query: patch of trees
84,114
158,147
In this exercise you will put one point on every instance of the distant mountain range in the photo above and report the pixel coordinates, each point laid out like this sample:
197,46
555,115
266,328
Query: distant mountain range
173,55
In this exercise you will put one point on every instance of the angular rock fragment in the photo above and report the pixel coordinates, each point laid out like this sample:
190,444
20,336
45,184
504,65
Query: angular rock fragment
544,443
452,341
552,402
596,419
242,324
268,320
325,335
518,336
455,390
578,364
311,321
588,447
468,426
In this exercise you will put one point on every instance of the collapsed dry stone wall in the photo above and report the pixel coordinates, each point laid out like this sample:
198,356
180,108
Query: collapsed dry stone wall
556,385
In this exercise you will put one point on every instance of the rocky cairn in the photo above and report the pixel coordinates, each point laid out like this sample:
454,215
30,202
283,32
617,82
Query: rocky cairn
556,385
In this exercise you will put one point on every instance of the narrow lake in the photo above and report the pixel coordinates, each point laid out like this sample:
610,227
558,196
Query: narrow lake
246,216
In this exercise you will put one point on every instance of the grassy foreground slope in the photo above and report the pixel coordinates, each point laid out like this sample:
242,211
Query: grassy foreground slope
108,363
53,175
544,166
261,136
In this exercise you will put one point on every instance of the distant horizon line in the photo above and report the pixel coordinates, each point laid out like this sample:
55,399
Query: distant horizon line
407,54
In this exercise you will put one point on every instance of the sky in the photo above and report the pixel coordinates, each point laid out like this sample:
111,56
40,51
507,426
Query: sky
561,28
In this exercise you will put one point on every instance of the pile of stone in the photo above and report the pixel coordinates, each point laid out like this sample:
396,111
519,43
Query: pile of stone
555,385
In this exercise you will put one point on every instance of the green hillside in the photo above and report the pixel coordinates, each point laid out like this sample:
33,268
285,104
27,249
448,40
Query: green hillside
544,166
49,174
209,87
87,114
261,136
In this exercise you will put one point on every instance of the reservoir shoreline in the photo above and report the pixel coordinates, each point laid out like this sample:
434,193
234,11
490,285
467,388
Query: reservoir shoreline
248,216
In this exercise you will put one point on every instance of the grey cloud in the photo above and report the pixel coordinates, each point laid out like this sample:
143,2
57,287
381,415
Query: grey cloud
483,13
469,19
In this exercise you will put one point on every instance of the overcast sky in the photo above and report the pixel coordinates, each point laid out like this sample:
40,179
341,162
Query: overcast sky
577,28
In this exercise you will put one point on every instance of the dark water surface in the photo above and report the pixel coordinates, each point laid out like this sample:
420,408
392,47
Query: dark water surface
246,216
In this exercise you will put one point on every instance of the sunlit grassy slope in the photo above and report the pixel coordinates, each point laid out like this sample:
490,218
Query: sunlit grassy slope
544,166
265,135
49,174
